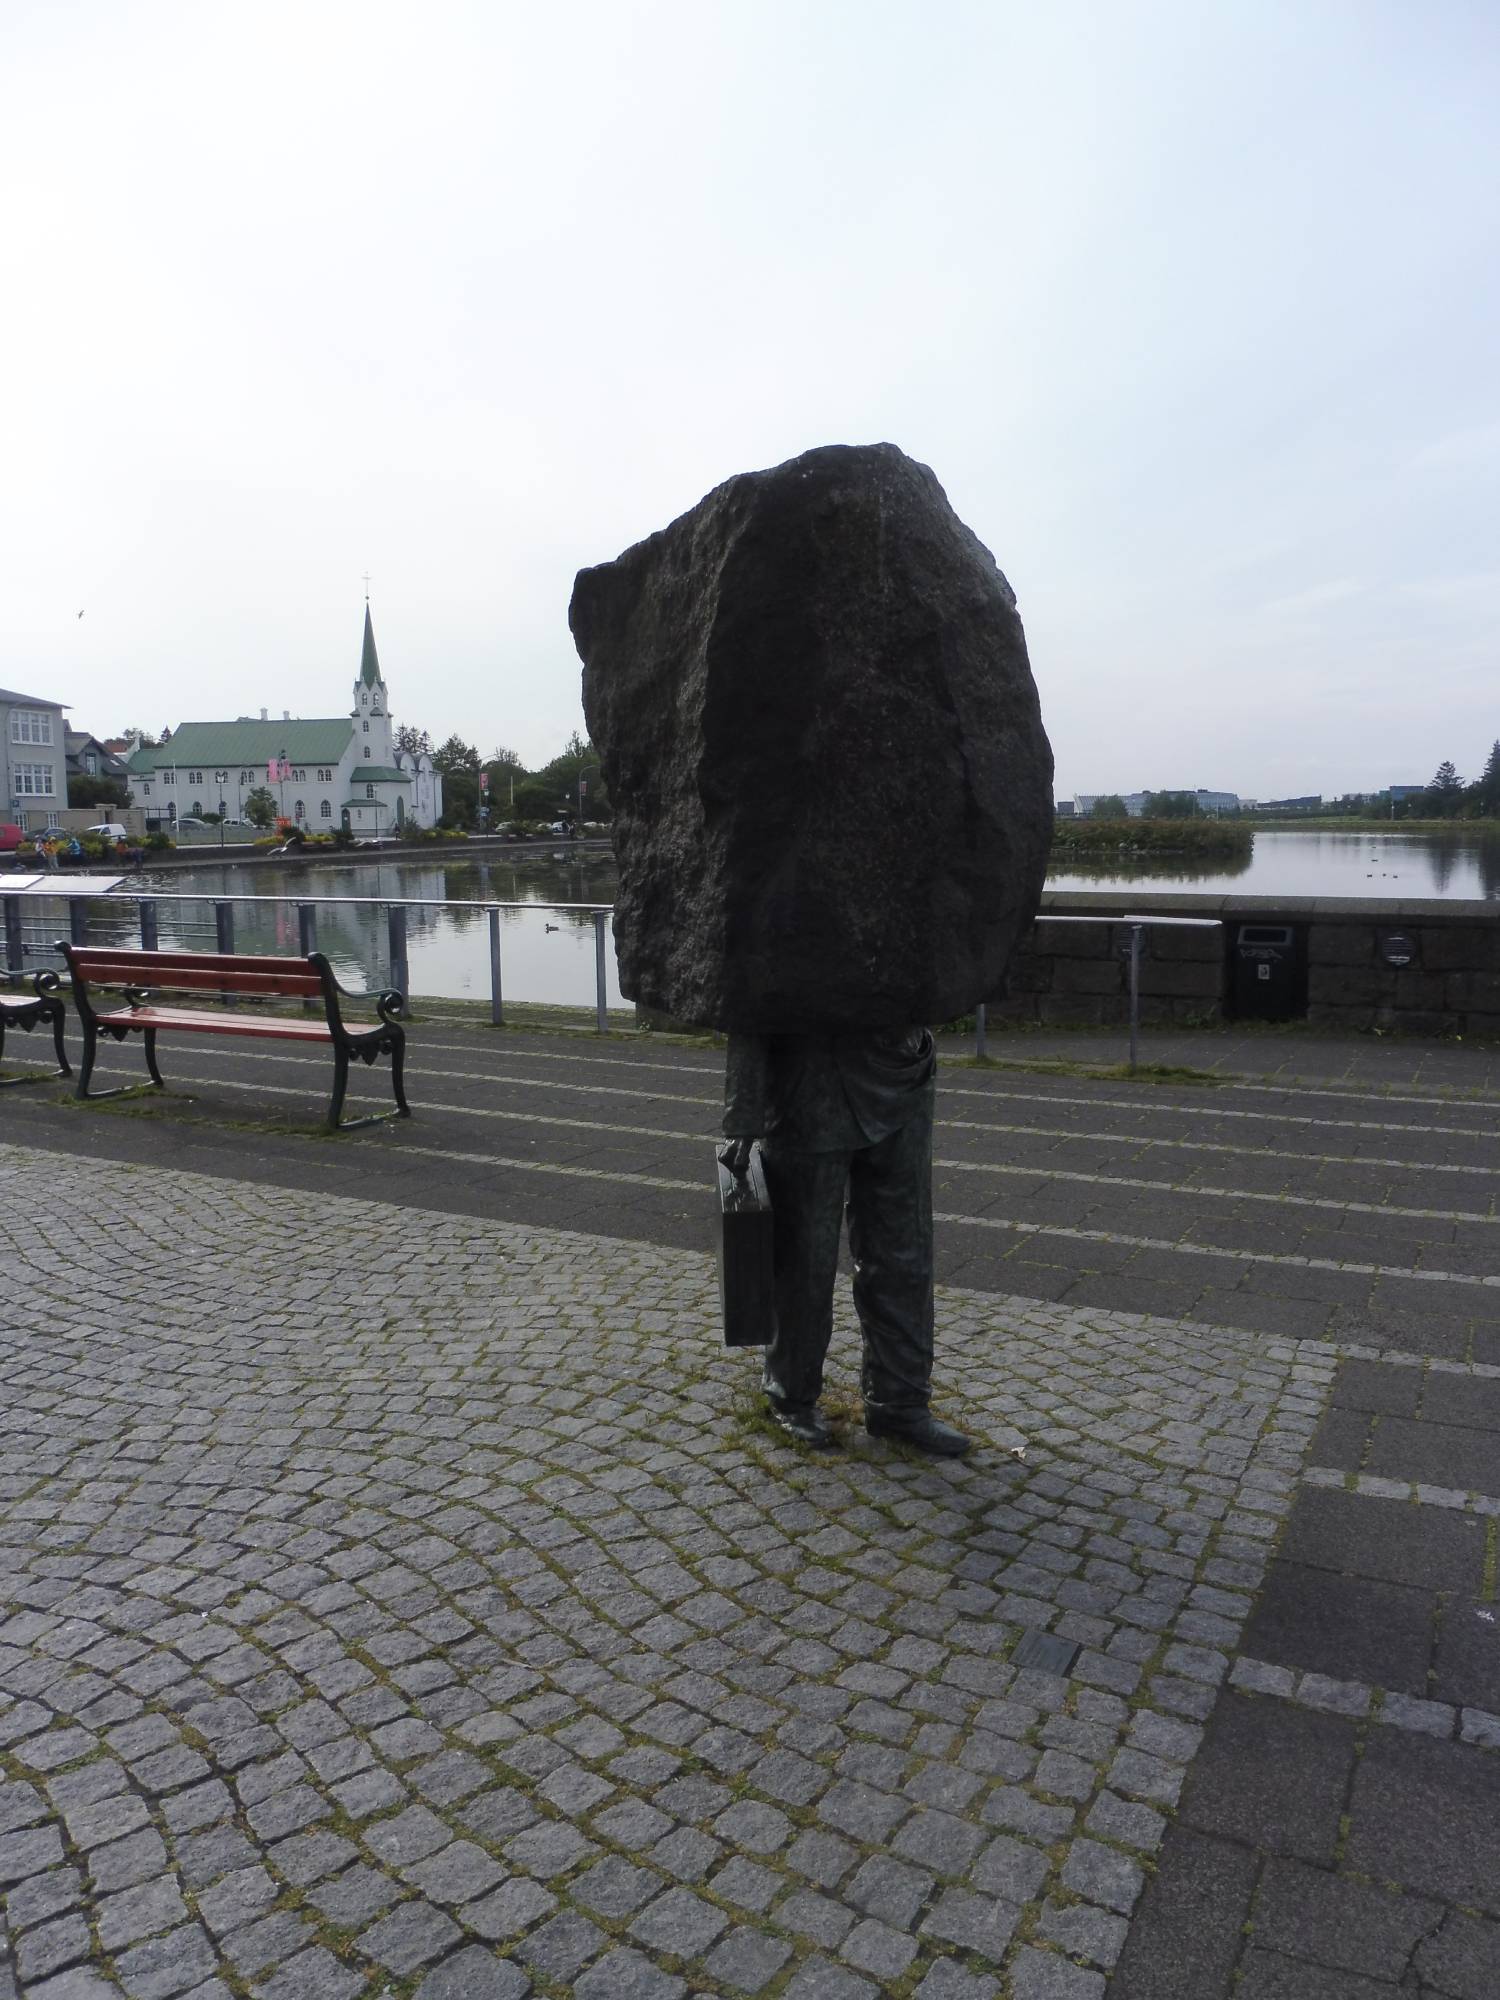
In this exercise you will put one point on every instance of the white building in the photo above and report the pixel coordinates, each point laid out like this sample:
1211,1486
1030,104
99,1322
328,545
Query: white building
340,771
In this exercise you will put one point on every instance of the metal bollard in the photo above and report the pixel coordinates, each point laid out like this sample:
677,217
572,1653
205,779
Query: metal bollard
148,927
15,946
1135,990
396,933
979,1050
224,928
601,979
497,1009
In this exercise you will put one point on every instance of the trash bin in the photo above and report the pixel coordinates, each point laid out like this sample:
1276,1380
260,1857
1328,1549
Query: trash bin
1270,973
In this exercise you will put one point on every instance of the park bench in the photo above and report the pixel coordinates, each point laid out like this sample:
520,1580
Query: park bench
141,976
25,1010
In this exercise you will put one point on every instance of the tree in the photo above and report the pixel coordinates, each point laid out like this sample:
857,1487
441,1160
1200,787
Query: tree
1489,784
142,736
1444,793
1172,805
416,742
1111,806
260,807
90,791
456,755
505,760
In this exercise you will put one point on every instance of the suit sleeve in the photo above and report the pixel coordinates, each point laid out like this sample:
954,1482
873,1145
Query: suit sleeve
747,1069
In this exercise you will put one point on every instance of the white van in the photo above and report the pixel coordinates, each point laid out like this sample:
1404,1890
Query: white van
108,830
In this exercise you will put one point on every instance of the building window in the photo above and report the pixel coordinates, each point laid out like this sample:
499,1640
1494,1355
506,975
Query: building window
197,807
30,725
146,789
326,809
367,728
195,778
299,810
369,791
367,749
244,777
168,777
299,777
31,781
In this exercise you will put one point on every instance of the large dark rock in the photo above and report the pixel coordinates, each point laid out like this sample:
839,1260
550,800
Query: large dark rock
818,726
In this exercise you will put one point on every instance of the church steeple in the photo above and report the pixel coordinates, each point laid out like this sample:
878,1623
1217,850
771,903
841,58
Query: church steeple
369,665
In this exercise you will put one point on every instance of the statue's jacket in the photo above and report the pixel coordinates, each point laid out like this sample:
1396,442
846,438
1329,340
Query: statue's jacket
827,1093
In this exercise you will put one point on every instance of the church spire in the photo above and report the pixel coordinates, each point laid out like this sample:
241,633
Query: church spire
369,665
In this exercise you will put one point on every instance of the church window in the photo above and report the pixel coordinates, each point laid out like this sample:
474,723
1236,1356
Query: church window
369,791
197,808
195,778
367,749
300,810
167,777
299,777
244,777
367,726
146,790
326,809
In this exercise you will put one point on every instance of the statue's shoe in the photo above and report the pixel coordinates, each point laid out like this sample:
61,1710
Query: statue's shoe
922,1431
803,1421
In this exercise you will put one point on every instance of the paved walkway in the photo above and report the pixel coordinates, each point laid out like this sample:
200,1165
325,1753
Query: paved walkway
407,1601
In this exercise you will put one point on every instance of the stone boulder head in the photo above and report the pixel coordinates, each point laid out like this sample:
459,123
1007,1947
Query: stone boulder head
817,722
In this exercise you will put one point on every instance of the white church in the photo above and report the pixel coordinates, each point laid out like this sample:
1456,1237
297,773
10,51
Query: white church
341,772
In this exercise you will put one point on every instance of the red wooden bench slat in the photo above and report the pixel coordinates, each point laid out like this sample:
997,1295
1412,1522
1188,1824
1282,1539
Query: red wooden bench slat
184,1021
188,973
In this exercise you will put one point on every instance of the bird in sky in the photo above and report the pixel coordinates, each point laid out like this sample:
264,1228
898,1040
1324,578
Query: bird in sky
80,614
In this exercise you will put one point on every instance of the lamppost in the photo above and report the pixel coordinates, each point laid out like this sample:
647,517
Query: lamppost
582,790
221,779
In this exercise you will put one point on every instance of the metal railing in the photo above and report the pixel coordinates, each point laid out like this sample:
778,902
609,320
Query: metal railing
395,908
1136,926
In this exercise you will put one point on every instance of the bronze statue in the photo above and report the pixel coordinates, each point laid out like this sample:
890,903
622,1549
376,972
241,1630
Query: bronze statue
845,1121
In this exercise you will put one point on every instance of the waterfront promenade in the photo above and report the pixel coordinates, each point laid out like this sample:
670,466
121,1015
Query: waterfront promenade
399,1596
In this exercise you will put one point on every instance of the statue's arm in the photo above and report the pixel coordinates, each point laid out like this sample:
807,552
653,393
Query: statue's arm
747,1070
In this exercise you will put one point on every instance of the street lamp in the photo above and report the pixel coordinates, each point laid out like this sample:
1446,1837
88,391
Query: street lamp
582,790
221,779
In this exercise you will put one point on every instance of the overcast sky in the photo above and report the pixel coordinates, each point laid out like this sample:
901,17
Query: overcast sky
1193,308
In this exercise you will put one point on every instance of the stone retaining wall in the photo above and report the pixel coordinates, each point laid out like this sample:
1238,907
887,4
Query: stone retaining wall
1077,972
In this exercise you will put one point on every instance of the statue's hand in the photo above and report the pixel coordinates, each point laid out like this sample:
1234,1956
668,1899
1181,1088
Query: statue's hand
735,1154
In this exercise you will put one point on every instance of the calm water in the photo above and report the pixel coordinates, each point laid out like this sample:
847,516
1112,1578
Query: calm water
1407,865
548,955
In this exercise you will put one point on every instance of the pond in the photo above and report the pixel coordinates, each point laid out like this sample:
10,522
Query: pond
548,954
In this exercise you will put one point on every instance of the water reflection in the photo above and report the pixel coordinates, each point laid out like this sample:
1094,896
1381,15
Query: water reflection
1456,863
546,955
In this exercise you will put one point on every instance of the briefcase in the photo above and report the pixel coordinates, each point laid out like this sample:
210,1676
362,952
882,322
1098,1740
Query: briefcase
746,1282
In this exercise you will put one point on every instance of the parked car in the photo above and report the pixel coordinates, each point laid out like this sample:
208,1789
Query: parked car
192,820
108,829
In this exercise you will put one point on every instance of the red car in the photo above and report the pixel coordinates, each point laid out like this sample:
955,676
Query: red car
11,837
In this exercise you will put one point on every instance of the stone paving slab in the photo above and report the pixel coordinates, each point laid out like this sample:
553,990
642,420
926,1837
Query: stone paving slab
407,1604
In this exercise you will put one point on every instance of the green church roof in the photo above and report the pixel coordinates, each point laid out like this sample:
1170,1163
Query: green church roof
377,774
223,744
369,664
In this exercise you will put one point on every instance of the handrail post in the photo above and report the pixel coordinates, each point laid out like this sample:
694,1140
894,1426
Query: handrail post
979,1049
78,920
601,987
396,935
307,944
497,1005
1135,992
224,933
148,925
15,944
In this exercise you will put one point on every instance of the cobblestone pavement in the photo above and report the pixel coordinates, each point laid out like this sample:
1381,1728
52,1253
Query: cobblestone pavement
404,1603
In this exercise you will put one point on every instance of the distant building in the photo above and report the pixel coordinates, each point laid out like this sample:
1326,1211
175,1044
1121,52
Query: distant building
33,759
87,757
342,771
1066,809
1135,802
1311,804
